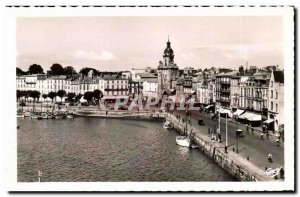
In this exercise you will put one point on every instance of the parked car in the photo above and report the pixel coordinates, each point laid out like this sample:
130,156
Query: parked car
215,117
22,104
201,122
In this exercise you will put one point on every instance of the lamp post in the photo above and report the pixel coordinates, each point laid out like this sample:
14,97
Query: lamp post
226,132
238,134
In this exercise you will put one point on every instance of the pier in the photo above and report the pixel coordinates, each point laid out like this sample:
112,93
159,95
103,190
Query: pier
137,115
233,163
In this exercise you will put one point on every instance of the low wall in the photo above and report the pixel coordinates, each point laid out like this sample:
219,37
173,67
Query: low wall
234,164
127,116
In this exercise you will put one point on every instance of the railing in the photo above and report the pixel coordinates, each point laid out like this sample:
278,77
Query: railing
225,90
223,100
225,82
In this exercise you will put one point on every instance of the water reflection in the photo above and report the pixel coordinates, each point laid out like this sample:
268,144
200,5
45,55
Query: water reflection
92,149
183,151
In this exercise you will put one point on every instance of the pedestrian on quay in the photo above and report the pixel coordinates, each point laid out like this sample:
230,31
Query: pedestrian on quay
270,158
247,129
267,135
278,141
219,135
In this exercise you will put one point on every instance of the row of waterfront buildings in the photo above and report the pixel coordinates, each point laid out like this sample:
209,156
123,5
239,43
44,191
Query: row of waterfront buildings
259,91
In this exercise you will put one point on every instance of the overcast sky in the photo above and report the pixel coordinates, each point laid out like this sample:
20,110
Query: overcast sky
121,43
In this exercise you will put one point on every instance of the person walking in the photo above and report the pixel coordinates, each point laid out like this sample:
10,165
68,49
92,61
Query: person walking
270,158
247,129
267,135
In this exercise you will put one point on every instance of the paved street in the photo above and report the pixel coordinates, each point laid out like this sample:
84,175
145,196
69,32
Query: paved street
250,146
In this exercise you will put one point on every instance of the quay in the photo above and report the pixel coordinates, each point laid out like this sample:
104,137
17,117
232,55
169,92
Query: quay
138,115
96,112
234,164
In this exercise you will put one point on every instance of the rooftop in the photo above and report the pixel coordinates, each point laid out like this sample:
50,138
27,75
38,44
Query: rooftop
278,76
147,75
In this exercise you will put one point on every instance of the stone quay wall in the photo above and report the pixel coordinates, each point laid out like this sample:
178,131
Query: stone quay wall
234,164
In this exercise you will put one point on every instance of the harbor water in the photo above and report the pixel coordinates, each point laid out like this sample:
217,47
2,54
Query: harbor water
89,149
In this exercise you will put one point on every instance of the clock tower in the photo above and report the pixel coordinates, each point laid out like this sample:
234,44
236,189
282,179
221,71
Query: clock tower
167,71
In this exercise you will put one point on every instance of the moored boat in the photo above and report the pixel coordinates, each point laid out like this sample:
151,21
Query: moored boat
168,125
45,116
33,116
70,116
58,116
183,141
20,116
27,114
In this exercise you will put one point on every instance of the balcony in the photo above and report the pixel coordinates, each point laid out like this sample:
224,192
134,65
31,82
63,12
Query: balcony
258,98
225,82
224,100
225,90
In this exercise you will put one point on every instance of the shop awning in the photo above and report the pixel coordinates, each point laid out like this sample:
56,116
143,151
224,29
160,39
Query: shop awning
246,115
226,111
269,121
250,116
254,117
209,106
238,112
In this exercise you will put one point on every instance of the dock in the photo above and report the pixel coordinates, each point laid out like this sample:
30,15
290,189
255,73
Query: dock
233,163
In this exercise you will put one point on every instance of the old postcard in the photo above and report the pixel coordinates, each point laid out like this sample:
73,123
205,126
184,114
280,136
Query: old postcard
149,98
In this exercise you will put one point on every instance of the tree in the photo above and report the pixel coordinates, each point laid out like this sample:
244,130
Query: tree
98,94
57,69
26,94
69,71
19,94
35,69
88,96
71,96
44,96
20,72
52,95
35,95
61,94
85,71
78,97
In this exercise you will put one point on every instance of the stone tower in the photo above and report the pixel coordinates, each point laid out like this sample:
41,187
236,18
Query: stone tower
167,71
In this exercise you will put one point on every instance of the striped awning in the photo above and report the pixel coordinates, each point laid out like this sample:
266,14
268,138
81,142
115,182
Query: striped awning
255,117
269,121
250,116
245,116
238,112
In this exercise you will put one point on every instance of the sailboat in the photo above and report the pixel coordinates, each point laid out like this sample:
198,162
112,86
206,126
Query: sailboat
184,140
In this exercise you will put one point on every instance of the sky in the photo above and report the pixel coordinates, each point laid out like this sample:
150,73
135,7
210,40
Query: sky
123,43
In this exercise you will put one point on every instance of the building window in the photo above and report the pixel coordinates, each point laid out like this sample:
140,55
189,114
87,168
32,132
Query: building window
276,94
271,93
276,107
271,105
271,83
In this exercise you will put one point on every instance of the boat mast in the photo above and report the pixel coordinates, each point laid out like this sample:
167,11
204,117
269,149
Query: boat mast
186,120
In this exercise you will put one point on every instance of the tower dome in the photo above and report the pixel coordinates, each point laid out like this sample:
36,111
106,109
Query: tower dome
168,52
